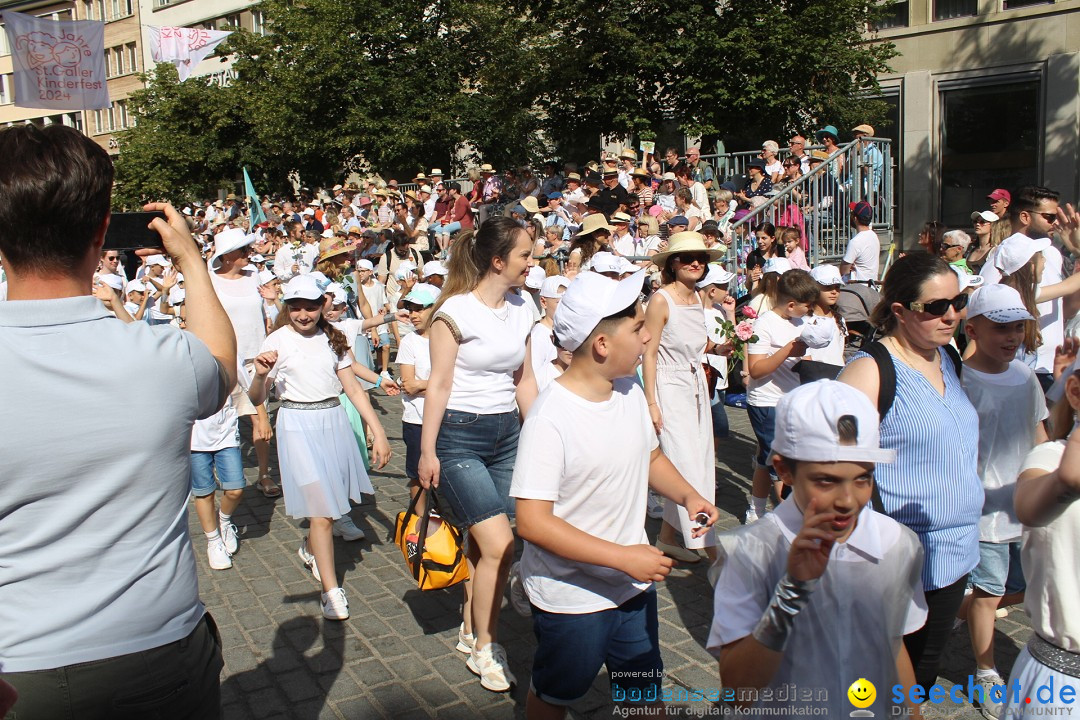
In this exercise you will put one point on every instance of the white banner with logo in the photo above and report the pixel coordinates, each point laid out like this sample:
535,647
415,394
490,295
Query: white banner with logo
183,47
58,65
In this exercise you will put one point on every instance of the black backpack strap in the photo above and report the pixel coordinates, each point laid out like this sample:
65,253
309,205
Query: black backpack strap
887,376
957,362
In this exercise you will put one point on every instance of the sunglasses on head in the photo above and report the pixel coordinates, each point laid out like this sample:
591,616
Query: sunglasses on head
937,308
687,258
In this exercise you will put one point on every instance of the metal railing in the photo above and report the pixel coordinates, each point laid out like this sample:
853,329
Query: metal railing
817,203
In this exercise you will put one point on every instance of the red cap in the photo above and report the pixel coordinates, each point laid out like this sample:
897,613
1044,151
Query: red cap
1000,194
862,211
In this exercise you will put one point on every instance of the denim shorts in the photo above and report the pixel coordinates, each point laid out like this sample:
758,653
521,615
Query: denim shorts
999,571
763,421
571,649
229,466
476,453
410,433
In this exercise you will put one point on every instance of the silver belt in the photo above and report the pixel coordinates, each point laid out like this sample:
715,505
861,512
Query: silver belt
317,405
1053,657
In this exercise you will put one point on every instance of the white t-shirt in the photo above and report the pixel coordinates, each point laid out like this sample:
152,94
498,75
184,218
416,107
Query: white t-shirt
713,318
1049,559
774,167
244,306
630,245
543,347
350,328
306,369
774,332
375,292
1009,405
221,430
592,460
491,348
864,254
415,350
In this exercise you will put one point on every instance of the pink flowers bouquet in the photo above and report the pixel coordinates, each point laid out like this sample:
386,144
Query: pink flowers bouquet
738,335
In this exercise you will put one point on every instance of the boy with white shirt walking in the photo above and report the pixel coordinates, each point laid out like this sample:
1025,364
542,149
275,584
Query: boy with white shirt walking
588,567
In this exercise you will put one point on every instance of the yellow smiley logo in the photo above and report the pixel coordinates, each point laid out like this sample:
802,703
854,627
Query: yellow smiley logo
862,693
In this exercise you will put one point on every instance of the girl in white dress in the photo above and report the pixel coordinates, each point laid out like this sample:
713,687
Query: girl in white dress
321,466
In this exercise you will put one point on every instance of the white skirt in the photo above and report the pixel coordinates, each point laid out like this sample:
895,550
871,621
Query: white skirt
1033,675
321,466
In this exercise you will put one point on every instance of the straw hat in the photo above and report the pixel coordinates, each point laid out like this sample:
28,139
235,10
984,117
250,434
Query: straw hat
530,203
332,247
594,222
686,242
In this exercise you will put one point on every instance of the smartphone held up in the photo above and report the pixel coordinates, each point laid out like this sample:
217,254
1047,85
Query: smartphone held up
131,231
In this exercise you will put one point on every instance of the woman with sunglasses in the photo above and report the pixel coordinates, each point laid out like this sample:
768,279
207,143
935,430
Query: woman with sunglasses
983,244
675,388
934,487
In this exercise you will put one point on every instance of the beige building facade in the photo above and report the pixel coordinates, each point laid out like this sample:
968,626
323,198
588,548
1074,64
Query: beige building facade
984,94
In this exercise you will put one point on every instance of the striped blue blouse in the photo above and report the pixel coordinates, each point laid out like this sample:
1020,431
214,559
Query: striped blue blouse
934,487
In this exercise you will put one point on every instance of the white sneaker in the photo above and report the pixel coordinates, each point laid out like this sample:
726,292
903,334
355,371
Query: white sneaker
385,375
344,527
229,537
489,662
218,555
465,641
309,560
990,708
518,599
655,506
751,516
334,605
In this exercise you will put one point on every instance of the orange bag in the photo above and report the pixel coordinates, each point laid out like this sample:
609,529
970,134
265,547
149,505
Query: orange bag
433,548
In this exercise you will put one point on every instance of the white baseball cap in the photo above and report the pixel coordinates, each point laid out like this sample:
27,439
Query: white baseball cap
985,215
715,275
1015,251
423,294
308,212
365,264
163,261
603,262
265,277
302,287
257,258
552,285
338,291
136,286
404,270
328,233
967,280
535,279
776,265
434,267
113,280
827,275
590,298
177,296
999,303
320,279
817,333
625,266
807,419
227,241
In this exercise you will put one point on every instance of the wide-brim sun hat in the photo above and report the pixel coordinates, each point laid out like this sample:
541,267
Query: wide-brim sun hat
592,223
332,247
686,242
827,130
227,241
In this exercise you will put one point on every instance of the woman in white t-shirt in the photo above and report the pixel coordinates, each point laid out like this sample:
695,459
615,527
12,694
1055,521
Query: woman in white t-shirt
321,467
479,382
1046,501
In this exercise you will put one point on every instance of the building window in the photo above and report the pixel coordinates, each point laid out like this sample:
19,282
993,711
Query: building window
4,49
99,121
258,22
948,9
110,118
897,15
132,57
120,9
1013,4
121,114
5,89
990,138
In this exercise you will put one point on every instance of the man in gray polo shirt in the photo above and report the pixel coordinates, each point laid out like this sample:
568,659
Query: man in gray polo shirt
99,604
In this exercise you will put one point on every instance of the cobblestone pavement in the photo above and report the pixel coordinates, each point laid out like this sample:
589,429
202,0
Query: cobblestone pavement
395,657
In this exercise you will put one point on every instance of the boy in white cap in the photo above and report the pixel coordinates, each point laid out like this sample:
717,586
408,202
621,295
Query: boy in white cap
587,566
821,591
543,349
719,308
1011,407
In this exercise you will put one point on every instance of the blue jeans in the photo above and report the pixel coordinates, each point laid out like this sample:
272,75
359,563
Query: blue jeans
476,453
999,571
229,466
571,649
719,415
447,229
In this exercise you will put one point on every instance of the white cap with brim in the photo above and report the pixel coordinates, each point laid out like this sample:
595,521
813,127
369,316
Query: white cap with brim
827,275
434,267
715,275
605,262
302,287
113,280
985,215
552,285
590,298
338,291
265,277
818,333
136,286
967,280
807,419
365,264
535,278
227,241
404,270
776,265
423,294
1016,250
998,303
161,259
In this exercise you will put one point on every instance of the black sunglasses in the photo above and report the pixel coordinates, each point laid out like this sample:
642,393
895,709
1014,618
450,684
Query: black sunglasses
937,308
687,258
1048,217
949,246
413,307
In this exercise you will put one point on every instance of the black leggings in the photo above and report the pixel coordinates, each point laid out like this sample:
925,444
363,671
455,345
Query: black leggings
925,646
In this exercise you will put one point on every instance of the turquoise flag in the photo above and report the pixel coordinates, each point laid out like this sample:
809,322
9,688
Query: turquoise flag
254,204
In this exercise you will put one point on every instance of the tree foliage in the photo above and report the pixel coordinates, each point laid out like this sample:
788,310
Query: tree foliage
397,85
